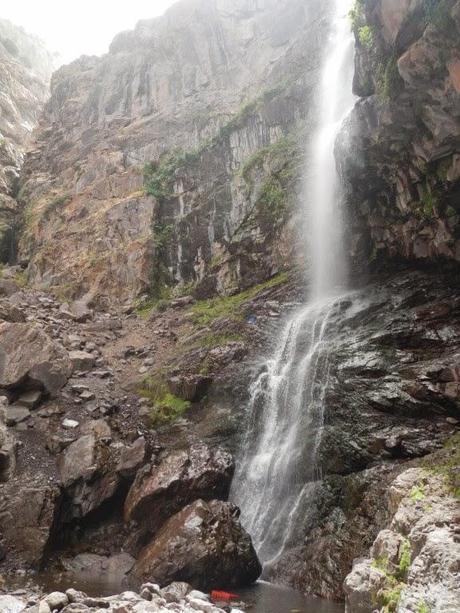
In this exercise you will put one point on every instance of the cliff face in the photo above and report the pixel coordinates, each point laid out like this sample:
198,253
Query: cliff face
399,153
173,159
25,70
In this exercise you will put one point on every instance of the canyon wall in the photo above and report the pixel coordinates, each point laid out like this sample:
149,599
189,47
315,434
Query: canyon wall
174,159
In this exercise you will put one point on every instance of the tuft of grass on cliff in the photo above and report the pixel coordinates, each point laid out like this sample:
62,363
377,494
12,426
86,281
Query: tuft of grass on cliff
166,407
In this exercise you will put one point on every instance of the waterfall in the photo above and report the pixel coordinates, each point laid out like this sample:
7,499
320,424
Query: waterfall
278,471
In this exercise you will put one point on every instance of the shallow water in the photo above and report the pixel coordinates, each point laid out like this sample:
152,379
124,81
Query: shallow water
265,597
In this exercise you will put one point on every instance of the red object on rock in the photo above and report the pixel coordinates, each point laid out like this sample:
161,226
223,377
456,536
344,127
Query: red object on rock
219,596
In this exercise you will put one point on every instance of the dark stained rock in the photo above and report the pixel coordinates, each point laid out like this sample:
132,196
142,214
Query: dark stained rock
162,489
190,387
30,357
204,545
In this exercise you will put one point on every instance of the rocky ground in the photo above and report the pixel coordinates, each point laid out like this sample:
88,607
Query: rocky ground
179,597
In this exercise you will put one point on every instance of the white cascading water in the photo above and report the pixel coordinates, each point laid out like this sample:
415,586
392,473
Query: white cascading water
277,473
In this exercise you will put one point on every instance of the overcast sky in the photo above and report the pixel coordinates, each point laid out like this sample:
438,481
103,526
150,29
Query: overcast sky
73,28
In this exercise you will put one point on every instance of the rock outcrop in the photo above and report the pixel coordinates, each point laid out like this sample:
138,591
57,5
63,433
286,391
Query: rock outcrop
399,152
25,71
203,544
414,564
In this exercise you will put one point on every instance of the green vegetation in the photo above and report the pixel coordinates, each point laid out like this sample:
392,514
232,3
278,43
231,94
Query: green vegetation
417,493
206,311
447,465
21,279
422,607
166,407
210,341
388,598
145,308
357,14
366,36
389,82
405,558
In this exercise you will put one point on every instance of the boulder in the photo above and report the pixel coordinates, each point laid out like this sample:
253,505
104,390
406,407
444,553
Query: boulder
29,357
204,545
87,475
27,520
162,489
190,387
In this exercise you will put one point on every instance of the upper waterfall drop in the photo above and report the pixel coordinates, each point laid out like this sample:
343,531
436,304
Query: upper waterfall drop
323,214
278,472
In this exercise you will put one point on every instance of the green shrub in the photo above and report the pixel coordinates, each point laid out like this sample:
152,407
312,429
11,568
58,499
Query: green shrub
366,36
405,558
422,607
166,407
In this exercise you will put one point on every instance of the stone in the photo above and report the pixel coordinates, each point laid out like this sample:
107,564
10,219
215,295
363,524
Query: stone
176,591
28,355
81,360
180,477
57,600
203,544
70,424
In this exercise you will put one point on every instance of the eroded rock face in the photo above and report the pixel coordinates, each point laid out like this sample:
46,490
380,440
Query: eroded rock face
29,357
399,150
162,489
205,545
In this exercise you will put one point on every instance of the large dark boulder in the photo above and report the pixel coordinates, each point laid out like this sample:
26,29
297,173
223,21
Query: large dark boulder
204,545
162,489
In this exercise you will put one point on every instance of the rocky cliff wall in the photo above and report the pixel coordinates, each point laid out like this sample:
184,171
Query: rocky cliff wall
399,153
174,159
25,71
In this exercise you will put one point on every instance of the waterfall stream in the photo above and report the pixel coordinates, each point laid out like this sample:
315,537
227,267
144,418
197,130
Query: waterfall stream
277,473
